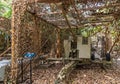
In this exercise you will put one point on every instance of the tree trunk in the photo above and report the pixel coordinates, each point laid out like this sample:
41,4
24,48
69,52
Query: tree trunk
116,40
18,11
65,71
58,43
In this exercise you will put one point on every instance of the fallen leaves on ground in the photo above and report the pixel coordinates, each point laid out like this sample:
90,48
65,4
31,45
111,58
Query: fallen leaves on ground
81,75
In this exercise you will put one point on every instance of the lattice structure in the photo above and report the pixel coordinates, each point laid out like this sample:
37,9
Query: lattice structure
31,17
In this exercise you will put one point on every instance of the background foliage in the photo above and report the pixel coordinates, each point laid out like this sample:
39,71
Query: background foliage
5,8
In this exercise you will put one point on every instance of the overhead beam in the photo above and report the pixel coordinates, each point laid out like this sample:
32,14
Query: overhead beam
85,22
79,26
93,15
82,25
47,22
100,7
71,19
96,21
85,9
45,1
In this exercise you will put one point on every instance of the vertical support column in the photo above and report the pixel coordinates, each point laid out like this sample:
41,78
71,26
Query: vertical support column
18,11
58,43
106,40
36,36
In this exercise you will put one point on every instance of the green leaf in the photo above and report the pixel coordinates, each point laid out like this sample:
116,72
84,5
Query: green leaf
85,34
5,8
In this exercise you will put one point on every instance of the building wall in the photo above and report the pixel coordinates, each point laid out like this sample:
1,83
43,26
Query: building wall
84,49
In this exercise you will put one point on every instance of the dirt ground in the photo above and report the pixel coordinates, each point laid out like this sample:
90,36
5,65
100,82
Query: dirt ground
46,75
87,74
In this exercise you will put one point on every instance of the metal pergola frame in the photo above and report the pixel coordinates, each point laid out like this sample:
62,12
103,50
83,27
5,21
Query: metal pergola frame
19,10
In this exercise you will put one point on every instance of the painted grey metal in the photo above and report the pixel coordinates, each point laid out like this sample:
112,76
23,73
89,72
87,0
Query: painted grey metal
3,65
2,73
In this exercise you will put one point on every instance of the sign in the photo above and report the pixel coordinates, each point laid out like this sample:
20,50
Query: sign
29,55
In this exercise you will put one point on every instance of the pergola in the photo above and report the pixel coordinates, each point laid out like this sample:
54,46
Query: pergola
28,16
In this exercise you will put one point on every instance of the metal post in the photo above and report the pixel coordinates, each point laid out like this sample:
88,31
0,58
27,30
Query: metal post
30,71
22,69
30,56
